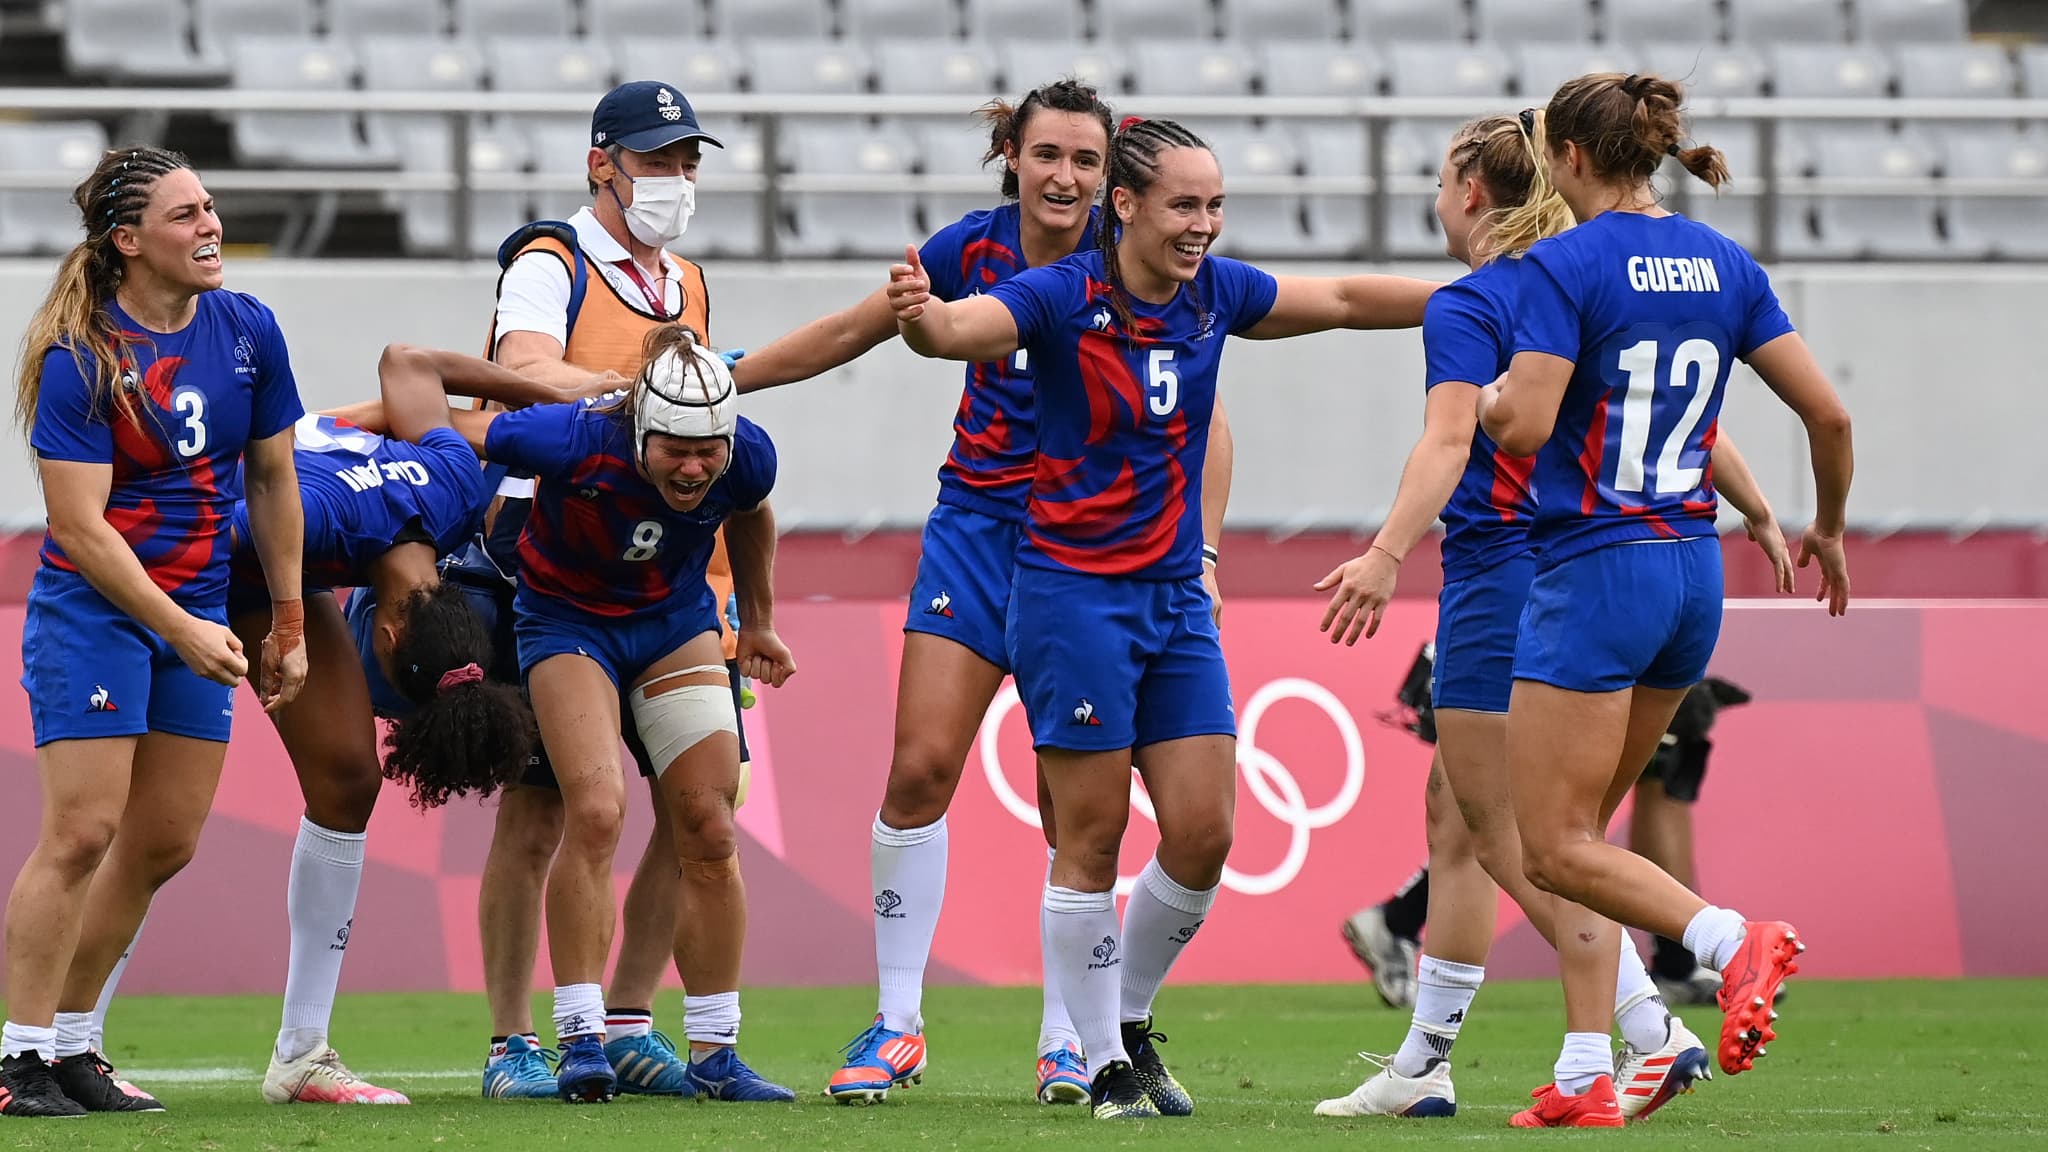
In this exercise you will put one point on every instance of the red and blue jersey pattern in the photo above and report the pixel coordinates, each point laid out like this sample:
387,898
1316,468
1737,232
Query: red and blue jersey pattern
1123,416
600,540
1468,335
187,404
363,492
995,445
1653,312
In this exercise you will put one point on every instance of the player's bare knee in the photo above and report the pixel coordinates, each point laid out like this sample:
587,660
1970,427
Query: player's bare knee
704,828
345,798
1550,866
920,788
77,845
592,824
711,870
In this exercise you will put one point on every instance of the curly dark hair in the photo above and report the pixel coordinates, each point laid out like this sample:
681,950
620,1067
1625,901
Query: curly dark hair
467,735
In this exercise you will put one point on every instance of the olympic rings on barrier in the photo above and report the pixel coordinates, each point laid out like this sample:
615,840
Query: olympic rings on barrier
1269,781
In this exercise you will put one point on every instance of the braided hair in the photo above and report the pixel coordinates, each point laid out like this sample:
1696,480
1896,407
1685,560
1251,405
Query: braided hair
74,315
1133,164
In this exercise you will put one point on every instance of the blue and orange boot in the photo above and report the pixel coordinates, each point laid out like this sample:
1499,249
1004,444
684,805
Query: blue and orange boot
876,1061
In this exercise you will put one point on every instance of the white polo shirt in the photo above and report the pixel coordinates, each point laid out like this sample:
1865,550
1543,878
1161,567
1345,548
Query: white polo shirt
534,294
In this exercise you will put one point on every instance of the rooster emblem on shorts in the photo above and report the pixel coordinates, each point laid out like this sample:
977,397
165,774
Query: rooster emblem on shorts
942,605
101,700
1085,714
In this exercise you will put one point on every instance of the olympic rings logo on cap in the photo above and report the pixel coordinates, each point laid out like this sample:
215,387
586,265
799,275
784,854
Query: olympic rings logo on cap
1268,780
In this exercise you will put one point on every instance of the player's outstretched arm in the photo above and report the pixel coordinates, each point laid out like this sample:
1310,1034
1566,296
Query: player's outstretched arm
1361,588
750,546
820,346
1734,481
1789,369
977,329
1519,410
1305,304
416,383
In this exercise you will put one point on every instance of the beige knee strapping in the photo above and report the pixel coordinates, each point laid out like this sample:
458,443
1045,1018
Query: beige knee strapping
673,722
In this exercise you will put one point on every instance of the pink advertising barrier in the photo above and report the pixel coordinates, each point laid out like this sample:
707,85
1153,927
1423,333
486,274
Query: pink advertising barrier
1888,774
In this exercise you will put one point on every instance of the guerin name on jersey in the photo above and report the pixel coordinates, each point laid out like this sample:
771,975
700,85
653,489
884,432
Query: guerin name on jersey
363,477
1673,274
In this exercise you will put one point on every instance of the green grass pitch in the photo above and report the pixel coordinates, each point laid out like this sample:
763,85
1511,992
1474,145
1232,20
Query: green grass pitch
1898,1065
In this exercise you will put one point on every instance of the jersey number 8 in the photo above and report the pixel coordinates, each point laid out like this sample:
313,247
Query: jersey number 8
1639,360
646,541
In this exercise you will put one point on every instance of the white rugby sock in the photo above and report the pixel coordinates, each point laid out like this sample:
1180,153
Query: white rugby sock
74,1033
908,867
625,1023
1586,1057
1160,919
1443,995
1713,935
713,1019
1055,1028
1087,960
327,872
579,1011
99,1010
1638,1011
18,1038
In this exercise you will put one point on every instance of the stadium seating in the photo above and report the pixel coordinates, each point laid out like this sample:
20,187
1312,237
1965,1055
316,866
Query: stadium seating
835,224
1146,21
302,139
1009,21
878,20
1307,21
1292,68
694,64
729,219
1387,21
626,21
2008,226
1911,21
134,41
352,18
1513,51
42,221
748,19
1769,22
1527,21
217,23
1652,21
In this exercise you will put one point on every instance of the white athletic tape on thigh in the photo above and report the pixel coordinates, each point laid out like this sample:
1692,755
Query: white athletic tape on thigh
673,722
517,487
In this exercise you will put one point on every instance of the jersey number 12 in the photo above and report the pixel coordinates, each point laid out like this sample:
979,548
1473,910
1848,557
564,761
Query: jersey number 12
1639,360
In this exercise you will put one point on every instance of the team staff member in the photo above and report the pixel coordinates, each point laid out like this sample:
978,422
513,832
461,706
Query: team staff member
142,386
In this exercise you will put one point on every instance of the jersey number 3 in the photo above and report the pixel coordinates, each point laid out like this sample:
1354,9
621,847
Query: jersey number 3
646,541
1632,470
190,403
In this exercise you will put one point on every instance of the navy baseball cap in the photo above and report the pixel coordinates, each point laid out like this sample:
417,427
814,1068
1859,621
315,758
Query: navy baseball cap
645,115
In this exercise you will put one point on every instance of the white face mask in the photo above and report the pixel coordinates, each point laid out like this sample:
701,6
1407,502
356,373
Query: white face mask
661,208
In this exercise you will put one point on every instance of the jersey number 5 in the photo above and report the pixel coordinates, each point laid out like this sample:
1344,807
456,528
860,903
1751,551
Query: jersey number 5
646,541
1162,383
190,403
1632,470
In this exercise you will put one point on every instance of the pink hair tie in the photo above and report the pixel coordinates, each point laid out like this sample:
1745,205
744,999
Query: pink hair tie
456,677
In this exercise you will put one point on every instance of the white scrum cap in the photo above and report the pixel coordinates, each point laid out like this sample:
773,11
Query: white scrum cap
685,391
